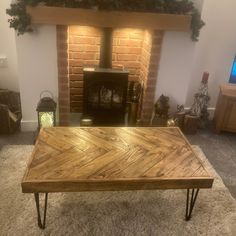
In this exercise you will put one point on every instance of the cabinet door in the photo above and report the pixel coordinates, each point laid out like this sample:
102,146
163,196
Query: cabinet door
230,117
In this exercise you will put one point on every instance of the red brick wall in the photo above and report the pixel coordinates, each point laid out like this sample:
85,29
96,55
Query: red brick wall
127,48
63,75
150,63
151,57
145,55
84,48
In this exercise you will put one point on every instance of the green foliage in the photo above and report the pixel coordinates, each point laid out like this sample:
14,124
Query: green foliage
21,21
196,24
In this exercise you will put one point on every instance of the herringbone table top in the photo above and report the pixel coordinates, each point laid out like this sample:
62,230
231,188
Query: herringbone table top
86,159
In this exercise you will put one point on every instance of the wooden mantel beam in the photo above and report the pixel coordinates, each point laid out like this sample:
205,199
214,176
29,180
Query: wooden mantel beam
115,19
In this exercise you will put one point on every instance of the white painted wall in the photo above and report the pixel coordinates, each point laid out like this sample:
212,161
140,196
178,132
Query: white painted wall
37,60
176,64
216,48
8,75
183,62
175,67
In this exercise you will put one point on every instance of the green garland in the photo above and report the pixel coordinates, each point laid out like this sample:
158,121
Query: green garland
20,20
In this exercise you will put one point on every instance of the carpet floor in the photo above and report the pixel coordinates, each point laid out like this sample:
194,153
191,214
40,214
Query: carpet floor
111,213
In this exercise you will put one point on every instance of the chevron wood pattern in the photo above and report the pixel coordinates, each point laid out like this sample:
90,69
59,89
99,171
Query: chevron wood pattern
68,159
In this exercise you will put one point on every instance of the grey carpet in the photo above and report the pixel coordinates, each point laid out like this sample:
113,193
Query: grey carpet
110,213
221,153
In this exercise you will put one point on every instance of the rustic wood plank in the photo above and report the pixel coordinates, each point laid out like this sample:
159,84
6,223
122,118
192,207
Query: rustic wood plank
108,158
115,185
86,17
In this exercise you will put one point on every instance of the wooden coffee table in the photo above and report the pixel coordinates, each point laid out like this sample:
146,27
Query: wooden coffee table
106,159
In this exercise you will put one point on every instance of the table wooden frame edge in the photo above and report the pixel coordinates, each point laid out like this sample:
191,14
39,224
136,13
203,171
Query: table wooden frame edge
116,185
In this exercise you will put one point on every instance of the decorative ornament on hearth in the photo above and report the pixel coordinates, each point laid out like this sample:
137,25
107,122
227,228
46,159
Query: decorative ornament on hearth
161,113
46,109
201,101
162,106
179,116
172,122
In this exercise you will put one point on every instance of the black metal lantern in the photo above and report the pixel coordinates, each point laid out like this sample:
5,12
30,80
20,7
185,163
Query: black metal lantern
46,109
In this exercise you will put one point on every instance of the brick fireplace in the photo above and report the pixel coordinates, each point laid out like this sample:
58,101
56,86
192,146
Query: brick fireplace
133,49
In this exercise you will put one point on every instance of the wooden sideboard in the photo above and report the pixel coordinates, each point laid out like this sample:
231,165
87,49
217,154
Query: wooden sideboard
225,114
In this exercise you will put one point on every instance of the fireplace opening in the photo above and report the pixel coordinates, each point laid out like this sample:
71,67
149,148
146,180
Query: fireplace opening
136,50
105,93
105,89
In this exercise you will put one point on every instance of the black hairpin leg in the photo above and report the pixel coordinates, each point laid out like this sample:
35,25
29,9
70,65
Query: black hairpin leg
190,203
40,223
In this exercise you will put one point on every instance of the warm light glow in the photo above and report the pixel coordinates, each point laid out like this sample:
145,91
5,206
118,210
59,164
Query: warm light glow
46,119
84,30
87,120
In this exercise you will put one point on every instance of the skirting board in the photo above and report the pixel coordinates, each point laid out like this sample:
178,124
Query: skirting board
32,125
29,125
